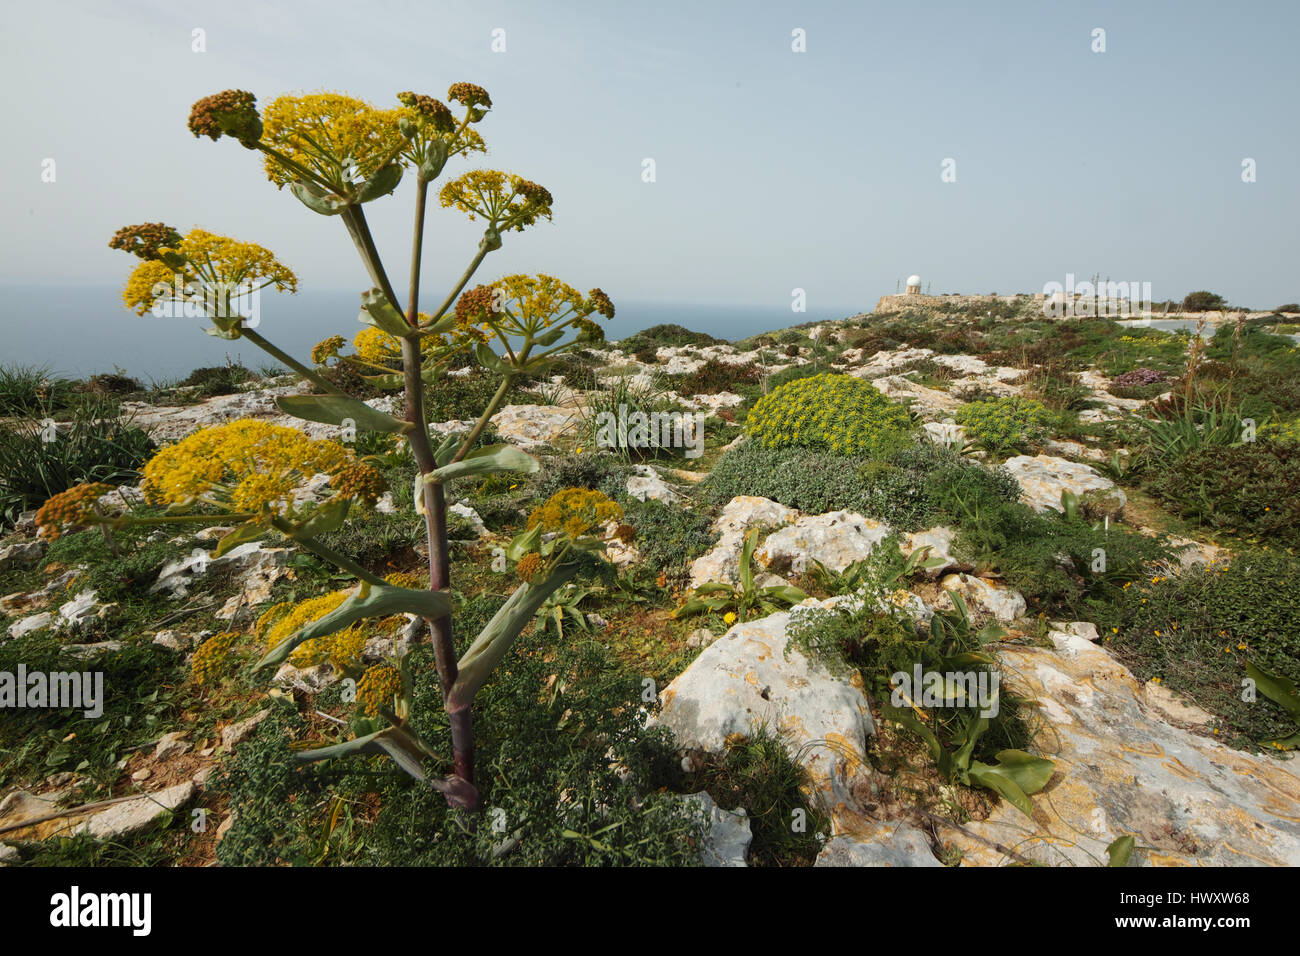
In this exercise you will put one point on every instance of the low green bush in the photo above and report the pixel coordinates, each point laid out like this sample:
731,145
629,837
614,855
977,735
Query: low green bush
668,536
835,412
566,768
1195,631
1005,424
716,376
1250,489
38,461
916,487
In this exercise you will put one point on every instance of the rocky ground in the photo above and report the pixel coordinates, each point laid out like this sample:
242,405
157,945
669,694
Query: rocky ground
1132,757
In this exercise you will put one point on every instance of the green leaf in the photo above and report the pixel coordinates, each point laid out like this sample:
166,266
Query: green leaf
395,380
381,183
524,542
786,593
915,726
242,535
500,633
328,517
1278,689
369,600
446,447
485,461
1121,850
376,310
335,409
994,779
489,359
317,199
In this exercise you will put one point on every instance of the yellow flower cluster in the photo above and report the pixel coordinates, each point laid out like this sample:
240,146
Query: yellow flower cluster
521,304
210,658
252,466
505,200
207,264
845,414
341,139
529,566
342,648
69,508
574,512
377,688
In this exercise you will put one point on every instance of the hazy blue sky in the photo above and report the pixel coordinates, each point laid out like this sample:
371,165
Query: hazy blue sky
775,169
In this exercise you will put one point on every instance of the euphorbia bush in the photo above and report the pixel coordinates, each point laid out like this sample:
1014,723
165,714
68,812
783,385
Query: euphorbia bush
336,153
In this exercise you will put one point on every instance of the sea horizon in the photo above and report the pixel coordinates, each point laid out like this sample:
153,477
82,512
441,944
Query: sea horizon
81,330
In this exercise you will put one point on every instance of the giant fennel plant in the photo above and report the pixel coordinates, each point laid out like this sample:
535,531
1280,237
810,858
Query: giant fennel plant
336,154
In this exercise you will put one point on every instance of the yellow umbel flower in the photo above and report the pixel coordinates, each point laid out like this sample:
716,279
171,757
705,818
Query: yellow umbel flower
529,566
504,200
342,648
518,305
339,138
377,688
69,508
574,511
253,466
210,267
209,659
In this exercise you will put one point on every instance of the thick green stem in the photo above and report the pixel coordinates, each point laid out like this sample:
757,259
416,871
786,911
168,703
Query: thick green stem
483,419
355,219
310,374
483,250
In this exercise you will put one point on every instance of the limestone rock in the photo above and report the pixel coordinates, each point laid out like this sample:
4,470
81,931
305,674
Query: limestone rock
982,597
1123,769
881,844
647,485
745,680
728,838
31,623
939,541
172,745
722,563
131,816
836,539
80,610
21,554
528,426
1042,478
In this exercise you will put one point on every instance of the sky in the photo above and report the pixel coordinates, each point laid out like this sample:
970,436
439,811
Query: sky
775,170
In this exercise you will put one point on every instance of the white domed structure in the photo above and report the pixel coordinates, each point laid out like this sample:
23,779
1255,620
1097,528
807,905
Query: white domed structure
913,285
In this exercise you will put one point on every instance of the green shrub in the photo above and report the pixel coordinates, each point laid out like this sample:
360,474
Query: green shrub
914,488
715,376
463,397
220,379
1196,630
566,767
1248,489
597,472
1203,302
1004,424
1064,567
777,379
665,335
668,536
95,446
31,390
839,413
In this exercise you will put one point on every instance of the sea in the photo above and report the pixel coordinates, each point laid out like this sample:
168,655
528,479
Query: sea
78,331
